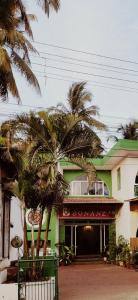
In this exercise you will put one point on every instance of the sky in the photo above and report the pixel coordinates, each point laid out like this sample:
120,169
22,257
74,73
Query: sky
106,28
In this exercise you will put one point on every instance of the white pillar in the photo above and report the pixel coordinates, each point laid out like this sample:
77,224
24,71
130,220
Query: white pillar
101,239
104,235
71,236
75,239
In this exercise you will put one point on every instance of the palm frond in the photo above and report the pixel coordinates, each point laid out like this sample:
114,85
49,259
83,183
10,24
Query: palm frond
94,123
7,81
48,122
129,131
86,166
77,96
48,4
25,70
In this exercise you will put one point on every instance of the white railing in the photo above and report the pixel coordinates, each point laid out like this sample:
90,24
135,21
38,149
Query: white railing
136,189
78,188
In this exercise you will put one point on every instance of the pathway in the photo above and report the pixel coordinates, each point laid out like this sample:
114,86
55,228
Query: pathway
97,282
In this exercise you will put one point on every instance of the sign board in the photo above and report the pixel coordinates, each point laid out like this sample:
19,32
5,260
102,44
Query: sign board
87,213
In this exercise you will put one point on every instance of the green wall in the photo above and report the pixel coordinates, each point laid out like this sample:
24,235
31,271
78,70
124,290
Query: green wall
70,175
61,233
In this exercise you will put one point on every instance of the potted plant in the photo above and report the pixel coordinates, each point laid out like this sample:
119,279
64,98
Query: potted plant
123,251
106,254
112,243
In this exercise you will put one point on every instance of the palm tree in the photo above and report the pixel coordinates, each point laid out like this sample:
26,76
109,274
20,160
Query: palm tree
15,47
14,50
77,99
56,136
20,183
129,131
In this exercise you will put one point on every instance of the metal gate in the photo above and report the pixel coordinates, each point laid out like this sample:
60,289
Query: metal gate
38,279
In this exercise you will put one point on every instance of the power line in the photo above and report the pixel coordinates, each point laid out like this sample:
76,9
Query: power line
102,84
105,85
89,74
97,85
85,61
87,52
81,65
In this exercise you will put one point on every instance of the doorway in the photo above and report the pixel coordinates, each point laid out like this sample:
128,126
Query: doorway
88,240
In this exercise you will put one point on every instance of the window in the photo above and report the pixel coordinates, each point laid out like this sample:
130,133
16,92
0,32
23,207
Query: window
118,179
136,186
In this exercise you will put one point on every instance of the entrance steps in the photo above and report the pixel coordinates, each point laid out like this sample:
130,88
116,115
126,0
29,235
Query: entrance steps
87,259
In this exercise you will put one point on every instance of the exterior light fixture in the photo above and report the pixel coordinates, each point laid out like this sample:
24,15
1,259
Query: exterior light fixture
88,228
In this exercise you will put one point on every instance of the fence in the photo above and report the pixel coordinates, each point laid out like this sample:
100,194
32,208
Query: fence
38,279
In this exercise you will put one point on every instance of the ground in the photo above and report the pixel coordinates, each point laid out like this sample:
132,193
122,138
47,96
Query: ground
97,282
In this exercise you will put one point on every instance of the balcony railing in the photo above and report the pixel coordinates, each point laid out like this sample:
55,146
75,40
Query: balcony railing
97,188
136,189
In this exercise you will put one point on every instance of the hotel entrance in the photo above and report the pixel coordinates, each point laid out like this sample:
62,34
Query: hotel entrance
85,228
87,238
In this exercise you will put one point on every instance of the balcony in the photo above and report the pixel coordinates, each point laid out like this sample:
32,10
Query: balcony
80,188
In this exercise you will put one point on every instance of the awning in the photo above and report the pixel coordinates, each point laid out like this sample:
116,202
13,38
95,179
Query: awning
90,200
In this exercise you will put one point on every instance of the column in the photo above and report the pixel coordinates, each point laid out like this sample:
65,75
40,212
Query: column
101,246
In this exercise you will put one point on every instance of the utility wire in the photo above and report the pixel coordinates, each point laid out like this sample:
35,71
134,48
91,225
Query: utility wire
81,60
108,86
86,66
82,79
87,52
89,74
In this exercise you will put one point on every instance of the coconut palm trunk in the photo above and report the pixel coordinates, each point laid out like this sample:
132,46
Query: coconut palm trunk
25,245
49,211
32,238
39,233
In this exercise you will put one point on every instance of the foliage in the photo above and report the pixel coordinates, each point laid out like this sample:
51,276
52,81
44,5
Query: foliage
47,137
123,249
77,99
14,45
135,258
2,140
66,254
112,242
129,131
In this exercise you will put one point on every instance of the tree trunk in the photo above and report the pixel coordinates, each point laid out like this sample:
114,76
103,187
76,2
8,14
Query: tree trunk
49,210
25,245
32,237
39,233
